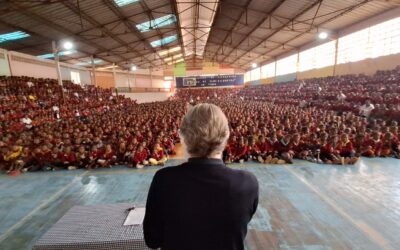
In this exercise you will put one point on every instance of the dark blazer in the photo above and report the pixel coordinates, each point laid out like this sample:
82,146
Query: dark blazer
201,204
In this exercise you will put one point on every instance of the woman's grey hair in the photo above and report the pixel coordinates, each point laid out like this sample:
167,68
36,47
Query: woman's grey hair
205,130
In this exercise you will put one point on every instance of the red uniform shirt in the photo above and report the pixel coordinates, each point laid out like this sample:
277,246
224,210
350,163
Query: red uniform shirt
375,145
158,155
264,147
345,148
241,150
140,156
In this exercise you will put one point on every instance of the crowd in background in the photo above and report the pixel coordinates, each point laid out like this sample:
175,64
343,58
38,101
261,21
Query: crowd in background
45,126
325,120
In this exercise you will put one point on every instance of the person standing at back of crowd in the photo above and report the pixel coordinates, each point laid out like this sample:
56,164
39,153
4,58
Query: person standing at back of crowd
366,109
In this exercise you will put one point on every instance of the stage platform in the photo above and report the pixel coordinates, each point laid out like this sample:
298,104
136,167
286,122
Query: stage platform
302,206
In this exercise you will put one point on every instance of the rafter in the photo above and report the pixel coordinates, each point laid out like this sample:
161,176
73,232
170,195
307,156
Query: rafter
233,27
92,21
54,26
174,7
349,9
276,31
47,39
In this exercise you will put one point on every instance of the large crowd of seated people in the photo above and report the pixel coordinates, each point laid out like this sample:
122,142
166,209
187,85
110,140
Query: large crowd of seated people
325,120
193,95
335,120
341,93
46,127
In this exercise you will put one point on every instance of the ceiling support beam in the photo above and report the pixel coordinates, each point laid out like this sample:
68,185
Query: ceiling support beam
56,27
268,15
233,27
47,39
174,6
129,25
345,11
93,22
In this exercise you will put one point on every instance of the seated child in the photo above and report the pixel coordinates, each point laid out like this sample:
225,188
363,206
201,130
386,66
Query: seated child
298,147
241,151
373,145
107,157
253,150
82,157
157,157
68,159
121,153
129,153
168,144
12,158
277,149
94,156
265,150
140,157
346,150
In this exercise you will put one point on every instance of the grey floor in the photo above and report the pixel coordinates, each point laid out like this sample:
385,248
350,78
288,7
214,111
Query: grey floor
302,206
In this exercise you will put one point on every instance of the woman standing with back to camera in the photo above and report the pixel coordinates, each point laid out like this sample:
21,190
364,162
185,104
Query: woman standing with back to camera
201,204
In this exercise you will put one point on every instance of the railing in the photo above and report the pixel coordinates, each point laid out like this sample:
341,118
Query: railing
141,90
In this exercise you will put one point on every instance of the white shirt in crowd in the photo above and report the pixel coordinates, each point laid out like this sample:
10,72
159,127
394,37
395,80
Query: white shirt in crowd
56,108
30,84
302,104
366,109
341,96
27,121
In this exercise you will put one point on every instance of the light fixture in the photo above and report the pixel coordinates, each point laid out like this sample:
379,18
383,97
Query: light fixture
133,68
122,3
68,45
177,56
254,65
89,62
156,23
169,51
61,53
13,36
164,41
323,35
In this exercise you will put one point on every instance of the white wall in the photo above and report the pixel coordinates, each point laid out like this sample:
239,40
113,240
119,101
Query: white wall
387,15
122,80
83,74
4,67
148,97
25,65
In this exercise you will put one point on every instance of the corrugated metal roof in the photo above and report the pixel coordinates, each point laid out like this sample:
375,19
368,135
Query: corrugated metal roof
243,30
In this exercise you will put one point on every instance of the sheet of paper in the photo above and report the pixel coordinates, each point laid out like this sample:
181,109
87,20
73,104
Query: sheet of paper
135,217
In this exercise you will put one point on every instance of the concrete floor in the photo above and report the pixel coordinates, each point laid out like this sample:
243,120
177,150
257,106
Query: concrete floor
302,206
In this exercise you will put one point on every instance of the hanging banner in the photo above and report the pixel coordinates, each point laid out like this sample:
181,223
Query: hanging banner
209,81
180,69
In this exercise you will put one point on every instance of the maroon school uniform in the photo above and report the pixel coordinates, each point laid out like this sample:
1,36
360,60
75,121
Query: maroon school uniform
140,156
108,155
326,149
158,155
68,157
241,151
297,148
264,147
345,149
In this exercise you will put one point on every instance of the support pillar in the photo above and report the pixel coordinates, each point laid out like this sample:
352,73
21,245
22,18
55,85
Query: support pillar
93,71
